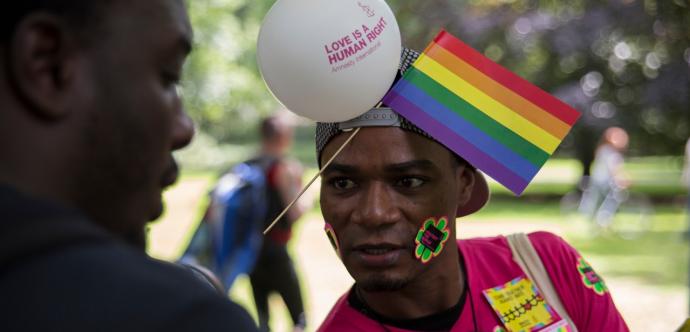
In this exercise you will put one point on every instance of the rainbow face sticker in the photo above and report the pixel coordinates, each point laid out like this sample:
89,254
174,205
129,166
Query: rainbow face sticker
431,239
330,233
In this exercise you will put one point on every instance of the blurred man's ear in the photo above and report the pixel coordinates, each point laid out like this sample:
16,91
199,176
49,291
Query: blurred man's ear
41,64
465,180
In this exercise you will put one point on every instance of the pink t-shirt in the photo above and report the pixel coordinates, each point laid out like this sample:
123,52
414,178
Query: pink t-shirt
489,263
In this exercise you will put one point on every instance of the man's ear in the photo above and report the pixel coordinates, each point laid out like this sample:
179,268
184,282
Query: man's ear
40,64
465,177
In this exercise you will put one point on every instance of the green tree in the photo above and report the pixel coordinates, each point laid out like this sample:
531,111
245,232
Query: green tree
222,86
620,62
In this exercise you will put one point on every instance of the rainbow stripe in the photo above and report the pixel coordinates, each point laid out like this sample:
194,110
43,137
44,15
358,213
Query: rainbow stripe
499,122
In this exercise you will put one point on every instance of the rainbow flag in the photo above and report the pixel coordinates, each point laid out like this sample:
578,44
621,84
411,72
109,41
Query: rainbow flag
496,120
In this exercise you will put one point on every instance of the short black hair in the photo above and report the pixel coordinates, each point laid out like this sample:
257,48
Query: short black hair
272,127
80,14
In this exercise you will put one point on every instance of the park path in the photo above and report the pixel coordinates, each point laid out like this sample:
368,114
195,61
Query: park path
645,307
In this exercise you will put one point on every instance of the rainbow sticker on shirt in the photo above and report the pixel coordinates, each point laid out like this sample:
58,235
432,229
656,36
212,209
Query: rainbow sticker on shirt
590,278
431,239
520,306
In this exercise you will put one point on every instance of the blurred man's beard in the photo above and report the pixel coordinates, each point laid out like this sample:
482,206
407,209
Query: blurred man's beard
381,283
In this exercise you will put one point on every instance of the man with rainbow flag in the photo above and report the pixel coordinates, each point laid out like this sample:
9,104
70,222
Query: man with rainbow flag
391,196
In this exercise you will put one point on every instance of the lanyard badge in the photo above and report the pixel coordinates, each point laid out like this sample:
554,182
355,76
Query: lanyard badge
522,308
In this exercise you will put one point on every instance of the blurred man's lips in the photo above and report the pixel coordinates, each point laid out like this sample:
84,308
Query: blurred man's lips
376,246
377,255
170,175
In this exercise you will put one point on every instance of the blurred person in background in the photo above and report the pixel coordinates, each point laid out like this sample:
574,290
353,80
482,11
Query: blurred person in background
608,177
686,175
274,270
90,118
685,180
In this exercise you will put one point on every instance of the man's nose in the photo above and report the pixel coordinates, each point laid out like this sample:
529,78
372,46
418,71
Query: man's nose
183,129
377,206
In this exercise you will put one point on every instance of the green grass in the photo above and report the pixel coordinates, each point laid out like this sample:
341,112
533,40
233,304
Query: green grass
653,176
656,176
658,257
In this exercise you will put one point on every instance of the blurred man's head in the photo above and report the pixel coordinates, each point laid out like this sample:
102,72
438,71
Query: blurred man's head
616,137
91,112
276,135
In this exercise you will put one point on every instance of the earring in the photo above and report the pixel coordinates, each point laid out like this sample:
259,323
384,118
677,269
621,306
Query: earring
330,233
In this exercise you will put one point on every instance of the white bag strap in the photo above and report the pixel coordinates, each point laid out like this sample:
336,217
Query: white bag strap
528,260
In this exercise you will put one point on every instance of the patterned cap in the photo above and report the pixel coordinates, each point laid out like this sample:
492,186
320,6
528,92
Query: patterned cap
382,116
327,130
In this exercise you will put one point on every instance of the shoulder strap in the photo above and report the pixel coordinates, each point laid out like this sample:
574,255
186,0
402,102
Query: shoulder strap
268,165
528,260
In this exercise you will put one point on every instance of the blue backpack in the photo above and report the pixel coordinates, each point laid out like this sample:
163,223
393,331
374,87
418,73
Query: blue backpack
229,237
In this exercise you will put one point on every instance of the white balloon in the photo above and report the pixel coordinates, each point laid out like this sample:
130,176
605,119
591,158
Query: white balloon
329,60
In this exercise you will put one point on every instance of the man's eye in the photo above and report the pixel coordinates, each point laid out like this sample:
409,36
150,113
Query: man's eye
410,182
343,184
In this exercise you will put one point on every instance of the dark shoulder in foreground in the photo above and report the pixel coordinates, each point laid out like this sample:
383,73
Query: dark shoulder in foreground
105,285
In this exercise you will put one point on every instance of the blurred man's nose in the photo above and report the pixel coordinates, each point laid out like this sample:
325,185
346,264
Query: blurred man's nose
376,206
183,130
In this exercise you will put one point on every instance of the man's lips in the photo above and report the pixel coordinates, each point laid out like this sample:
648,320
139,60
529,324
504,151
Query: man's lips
170,175
374,248
377,255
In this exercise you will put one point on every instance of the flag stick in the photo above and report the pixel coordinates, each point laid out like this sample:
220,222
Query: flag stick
268,229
